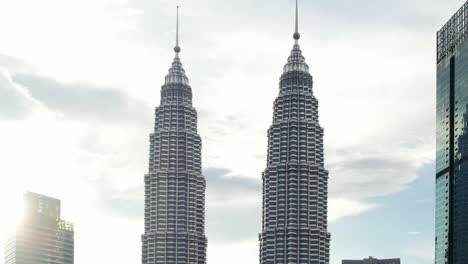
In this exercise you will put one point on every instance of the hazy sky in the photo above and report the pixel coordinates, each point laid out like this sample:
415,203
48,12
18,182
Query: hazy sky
79,81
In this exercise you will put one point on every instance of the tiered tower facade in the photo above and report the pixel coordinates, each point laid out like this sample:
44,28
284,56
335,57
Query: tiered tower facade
174,185
295,181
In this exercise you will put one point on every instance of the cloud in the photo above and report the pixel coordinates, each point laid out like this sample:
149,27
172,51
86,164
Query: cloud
245,251
341,208
94,132
14,64
371,176
233,202
220,182
79,101
16,103
126,203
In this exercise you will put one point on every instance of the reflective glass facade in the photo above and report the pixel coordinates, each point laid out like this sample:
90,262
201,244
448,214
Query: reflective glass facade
42,237
452,141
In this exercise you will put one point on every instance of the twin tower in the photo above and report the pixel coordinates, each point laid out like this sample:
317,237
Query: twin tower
295,182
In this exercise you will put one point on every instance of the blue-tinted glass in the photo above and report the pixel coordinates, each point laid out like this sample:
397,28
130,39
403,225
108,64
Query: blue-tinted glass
443,115
460,186
442,218
452,143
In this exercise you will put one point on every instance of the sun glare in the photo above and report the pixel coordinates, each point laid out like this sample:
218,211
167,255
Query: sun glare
13,204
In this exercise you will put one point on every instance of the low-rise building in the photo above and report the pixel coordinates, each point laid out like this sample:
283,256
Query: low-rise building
372,260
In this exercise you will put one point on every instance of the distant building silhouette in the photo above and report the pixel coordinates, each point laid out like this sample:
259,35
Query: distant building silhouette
174,185
451,244
41,237
295,182
372,260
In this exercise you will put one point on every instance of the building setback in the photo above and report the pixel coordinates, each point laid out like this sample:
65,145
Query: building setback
451,245
372,260
174,185
295,182
41,237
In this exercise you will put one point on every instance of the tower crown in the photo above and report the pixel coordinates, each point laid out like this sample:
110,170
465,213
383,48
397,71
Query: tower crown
176,73
296,61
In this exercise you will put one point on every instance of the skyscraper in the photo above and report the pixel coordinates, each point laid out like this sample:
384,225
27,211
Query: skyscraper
295,180
174,185
452,141
41,237
372,260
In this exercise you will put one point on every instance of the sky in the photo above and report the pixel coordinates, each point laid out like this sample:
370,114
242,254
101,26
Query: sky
79,81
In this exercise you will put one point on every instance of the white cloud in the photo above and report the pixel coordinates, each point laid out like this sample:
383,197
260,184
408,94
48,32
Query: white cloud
61,157
17,103
106,239
341,208
239,252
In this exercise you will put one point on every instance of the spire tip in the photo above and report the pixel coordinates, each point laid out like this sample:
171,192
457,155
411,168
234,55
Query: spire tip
296,35
177,47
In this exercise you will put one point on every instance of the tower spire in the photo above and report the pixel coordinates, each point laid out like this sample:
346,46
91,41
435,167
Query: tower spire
177,47
296,35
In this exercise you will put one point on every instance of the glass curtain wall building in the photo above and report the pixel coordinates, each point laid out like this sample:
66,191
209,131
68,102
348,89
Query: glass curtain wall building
452,141
42,237
174,185
295,182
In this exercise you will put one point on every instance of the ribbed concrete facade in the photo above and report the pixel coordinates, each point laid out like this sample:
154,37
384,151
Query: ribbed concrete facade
174,185
295,181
